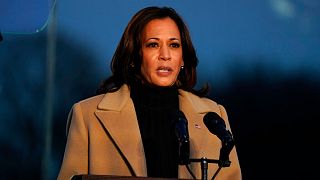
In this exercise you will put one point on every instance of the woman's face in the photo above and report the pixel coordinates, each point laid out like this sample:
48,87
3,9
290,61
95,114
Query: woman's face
161,52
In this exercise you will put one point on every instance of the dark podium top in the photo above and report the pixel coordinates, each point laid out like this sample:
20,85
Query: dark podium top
101,177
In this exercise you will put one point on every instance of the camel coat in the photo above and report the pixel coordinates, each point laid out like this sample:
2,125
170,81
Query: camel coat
103,138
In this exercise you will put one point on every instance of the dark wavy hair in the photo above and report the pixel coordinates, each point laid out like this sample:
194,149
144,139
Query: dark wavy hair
126,61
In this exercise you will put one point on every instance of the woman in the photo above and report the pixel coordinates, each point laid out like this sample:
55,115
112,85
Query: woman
127,130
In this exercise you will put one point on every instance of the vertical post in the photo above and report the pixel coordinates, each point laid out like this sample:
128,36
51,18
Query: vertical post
49,90
204,168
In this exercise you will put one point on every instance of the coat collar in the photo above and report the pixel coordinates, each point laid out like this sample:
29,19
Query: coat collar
116,101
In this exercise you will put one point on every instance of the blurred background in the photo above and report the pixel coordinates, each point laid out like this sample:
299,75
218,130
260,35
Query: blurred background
260,58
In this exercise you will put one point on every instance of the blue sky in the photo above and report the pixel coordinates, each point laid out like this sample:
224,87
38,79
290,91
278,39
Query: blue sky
282,35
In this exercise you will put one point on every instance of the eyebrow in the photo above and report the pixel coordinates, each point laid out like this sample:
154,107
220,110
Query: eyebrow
159,39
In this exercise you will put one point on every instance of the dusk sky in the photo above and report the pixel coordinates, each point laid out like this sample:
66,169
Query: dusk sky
279,34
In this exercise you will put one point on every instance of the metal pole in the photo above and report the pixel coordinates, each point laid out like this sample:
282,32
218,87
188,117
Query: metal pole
50,73
204,168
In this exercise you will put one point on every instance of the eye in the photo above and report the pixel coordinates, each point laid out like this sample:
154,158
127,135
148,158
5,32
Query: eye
175,45
152,45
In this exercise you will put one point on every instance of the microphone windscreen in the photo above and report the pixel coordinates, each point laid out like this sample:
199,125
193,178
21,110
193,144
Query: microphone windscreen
182,127
215,124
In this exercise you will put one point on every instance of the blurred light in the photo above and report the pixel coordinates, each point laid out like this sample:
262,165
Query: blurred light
283,8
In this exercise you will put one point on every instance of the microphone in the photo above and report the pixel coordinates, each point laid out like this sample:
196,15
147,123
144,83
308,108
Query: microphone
182,134
217,126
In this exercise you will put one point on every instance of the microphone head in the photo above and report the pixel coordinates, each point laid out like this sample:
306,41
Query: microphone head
181,127
217,126
214,123
181,130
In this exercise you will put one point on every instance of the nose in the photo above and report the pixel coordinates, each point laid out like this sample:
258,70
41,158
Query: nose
164,53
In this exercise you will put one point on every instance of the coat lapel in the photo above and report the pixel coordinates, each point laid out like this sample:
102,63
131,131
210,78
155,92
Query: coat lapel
123,127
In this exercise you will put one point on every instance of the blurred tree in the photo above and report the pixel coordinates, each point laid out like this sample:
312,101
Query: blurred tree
274,118
22,86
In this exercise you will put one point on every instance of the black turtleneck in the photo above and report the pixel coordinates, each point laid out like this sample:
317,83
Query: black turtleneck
156,111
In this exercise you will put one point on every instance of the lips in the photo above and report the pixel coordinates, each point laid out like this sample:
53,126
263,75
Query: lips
164,69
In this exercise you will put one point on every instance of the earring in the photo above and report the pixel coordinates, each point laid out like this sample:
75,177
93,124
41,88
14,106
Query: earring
182,67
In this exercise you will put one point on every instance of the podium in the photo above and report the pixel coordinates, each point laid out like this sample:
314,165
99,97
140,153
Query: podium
102,177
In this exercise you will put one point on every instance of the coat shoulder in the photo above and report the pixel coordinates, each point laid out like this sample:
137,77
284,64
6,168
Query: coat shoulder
91,102
200,104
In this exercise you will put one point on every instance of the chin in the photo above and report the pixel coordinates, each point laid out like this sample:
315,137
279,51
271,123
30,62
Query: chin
165,84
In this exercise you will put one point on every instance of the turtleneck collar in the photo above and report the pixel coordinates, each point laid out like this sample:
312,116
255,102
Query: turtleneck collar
154,97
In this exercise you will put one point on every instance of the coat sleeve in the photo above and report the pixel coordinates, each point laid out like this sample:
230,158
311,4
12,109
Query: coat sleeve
234,169
75,160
